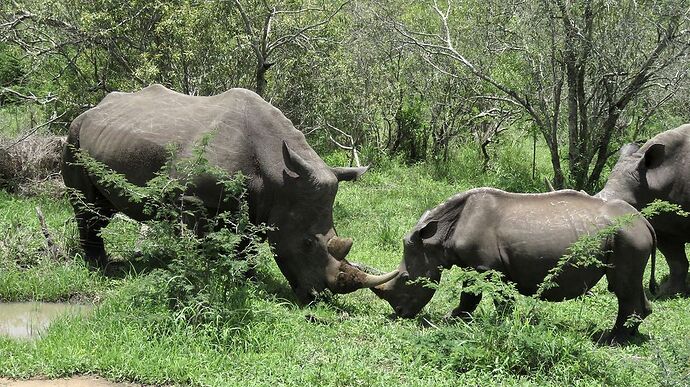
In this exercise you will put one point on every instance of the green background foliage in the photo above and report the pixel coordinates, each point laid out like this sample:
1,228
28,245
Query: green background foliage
399,77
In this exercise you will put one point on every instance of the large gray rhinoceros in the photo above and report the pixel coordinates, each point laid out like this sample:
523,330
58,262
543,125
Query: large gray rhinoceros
660,169
289,186
523,236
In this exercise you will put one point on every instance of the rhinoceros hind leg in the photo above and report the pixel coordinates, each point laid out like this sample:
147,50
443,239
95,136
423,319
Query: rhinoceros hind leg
674,251
92,212
90,225
625,282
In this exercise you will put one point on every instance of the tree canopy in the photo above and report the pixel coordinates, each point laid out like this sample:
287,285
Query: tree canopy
398,78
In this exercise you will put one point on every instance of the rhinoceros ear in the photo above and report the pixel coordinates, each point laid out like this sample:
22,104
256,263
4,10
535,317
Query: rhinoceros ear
348,174
295,165
653,156
429,230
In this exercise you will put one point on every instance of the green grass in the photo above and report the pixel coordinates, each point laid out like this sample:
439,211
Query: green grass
26,271
348,340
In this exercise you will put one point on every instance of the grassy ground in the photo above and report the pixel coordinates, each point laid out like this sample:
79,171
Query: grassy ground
347,340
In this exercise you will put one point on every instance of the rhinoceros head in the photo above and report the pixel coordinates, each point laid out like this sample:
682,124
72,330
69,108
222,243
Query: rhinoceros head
410,290
639,175
308,252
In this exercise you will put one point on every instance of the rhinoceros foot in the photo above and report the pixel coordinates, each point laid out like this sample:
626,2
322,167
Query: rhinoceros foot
621,337
671,288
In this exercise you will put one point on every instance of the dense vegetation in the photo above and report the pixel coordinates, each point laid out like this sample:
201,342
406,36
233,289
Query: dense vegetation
400,77
438,96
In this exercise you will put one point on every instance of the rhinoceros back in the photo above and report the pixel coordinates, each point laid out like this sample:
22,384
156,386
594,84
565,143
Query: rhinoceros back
130,132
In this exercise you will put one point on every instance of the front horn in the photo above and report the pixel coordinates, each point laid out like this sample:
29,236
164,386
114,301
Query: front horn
350,279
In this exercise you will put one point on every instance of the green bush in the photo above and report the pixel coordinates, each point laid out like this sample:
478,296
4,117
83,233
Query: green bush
205,257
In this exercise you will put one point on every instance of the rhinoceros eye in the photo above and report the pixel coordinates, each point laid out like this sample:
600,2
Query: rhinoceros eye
309,242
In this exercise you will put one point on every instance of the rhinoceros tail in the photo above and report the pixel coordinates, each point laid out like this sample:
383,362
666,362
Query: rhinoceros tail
652,280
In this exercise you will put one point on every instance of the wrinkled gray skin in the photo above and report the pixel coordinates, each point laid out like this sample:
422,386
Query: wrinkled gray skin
523,236
660,169
289,186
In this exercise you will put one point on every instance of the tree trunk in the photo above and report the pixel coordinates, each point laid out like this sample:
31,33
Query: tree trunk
261,79
558,177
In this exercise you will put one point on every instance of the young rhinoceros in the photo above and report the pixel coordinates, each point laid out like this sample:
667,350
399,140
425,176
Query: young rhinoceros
523,236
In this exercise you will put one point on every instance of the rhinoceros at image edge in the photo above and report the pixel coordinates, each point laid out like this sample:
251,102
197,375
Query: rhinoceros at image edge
659,169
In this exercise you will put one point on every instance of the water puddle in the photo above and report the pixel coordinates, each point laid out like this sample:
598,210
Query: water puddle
26,320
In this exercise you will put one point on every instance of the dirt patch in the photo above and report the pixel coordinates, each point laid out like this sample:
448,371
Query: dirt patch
76,381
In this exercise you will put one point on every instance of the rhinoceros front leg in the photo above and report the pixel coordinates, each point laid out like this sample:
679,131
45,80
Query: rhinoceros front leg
674,251
468,304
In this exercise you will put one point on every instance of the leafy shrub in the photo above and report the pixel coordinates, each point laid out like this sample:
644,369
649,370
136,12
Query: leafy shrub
413,134
514,347
205,256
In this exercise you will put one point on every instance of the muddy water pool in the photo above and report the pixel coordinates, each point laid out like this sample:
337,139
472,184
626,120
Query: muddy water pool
27,320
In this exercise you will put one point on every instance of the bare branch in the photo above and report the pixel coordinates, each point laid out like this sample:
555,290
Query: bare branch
30,97
285,39
53,249
352,147
248,29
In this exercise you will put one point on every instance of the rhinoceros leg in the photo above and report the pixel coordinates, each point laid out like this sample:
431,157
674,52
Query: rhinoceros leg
625,281
90,226
674,251
91,209
468,304
92,213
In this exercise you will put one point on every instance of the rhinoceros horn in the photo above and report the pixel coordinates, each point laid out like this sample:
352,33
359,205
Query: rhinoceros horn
348,173
350,279
339,247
